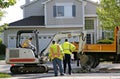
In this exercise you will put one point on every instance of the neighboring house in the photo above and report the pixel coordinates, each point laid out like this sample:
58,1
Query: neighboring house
52,16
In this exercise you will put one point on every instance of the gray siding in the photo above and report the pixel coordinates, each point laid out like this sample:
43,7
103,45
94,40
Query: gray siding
34,9
77,20
90,8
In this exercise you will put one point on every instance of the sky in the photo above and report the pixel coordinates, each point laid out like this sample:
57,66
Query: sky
14,13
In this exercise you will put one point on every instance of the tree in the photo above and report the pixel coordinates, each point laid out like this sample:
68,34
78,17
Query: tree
109,14
5,4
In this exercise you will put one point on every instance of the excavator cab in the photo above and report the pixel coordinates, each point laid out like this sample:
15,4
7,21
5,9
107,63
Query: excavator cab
33,34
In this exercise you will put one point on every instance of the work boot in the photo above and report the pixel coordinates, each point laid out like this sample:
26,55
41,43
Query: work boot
56,75
61,74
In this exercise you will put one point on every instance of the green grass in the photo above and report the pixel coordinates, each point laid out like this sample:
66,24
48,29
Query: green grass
4,75
2,57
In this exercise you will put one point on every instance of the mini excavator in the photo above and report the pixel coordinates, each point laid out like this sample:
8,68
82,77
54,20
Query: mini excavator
23,60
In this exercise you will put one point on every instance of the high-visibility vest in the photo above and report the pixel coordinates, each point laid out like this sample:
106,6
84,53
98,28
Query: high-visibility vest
68,48
55,52
25,43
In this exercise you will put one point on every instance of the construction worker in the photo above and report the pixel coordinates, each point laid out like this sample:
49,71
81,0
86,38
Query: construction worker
76,50
68,48
56,55
28,44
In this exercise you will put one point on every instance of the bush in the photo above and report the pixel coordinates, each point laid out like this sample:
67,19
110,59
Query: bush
105,41
111,39
2,49
0,41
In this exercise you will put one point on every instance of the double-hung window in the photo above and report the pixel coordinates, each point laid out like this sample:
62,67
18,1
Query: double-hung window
64,10
60,11
89,24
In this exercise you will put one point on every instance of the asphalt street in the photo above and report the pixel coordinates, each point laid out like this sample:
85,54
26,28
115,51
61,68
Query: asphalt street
92,75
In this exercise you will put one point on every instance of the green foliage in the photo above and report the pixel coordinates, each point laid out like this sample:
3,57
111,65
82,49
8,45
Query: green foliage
112,39
4,75
2,49
105,41
109,14
2,57
0,41
6,3
3,27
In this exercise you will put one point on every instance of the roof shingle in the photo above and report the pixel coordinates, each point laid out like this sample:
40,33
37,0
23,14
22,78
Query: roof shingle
30,21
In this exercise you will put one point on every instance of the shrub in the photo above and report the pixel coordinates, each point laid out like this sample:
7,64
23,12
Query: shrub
105,41
0,41
2,49
111,39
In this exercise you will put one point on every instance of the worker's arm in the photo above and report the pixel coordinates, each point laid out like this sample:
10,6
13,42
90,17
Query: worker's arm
31,45
61,50
72,47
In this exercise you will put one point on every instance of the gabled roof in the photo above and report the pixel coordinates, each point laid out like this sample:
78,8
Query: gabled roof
78,0
31,2
26,4
30,21
50,0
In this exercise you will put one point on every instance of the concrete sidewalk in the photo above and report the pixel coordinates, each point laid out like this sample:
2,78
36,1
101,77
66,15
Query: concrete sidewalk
2,62
71,77
83,77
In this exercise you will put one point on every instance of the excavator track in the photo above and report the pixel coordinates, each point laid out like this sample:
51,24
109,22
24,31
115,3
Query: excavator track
29,69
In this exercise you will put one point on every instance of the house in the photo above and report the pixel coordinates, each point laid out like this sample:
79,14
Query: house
52,16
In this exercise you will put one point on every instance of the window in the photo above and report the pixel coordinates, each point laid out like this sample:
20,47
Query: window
60,11
88,39
64,10
89,24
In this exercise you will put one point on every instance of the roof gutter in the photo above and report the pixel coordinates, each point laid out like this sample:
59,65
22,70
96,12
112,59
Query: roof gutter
25,27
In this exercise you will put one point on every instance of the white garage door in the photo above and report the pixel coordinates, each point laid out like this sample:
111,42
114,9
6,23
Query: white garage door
12,41
44,41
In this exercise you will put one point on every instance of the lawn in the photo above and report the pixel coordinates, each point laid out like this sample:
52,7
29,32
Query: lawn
4,75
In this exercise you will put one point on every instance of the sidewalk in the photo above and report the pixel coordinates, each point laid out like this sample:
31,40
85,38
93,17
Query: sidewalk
2,62
83,77
70,77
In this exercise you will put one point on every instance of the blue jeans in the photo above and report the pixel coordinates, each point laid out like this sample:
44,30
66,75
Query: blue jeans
57,63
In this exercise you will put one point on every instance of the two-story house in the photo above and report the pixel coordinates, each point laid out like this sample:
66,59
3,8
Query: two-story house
52,16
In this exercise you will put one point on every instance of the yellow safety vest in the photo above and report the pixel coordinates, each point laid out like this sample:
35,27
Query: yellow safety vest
55,52
68,48
25,43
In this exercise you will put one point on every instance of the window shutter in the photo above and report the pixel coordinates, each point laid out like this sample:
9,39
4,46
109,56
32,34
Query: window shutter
73,10
54,11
